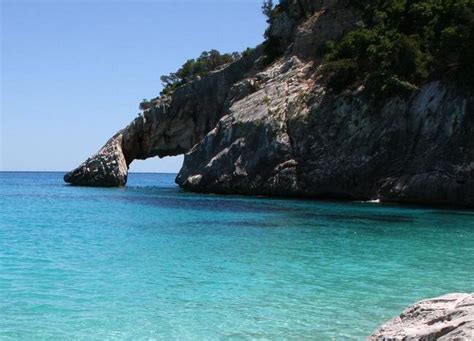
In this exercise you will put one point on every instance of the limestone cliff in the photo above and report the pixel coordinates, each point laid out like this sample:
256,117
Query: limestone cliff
172,126
275,129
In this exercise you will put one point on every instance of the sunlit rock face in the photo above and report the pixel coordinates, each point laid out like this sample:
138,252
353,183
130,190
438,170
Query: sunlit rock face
107,168
290,138
448,317
172,126
275,130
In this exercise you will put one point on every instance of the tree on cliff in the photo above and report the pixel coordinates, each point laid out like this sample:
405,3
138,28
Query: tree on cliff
272,46
207,62
267,9
402,44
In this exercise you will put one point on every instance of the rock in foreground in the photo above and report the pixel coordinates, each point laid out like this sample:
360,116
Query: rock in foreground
448,317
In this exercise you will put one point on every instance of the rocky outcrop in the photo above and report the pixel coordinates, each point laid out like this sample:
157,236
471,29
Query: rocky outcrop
276,130
172,126
107,168
290,138
302,27
449,317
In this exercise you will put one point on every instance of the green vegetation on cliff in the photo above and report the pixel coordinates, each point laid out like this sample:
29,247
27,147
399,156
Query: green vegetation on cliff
273,47
207,62
398,46
404,43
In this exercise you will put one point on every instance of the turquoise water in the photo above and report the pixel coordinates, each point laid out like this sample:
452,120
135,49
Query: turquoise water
152,262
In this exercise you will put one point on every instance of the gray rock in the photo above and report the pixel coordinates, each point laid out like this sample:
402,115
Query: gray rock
291,138
107,168
276,130
449,317
172,126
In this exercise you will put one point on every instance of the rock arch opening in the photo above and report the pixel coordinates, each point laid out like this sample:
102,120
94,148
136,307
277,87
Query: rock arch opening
172,126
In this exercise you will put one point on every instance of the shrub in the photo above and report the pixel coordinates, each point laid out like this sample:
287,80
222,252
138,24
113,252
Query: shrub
145,104
267,10
272,50
273,47
404,43
207,62
341,73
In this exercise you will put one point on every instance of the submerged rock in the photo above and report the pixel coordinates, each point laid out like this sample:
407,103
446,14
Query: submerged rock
448,317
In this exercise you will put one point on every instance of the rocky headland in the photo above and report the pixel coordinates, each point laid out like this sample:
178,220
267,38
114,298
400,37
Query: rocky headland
276,128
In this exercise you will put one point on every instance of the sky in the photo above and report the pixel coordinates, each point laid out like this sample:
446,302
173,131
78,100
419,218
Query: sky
73,71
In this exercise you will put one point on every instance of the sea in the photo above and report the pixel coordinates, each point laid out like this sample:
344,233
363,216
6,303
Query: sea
152,262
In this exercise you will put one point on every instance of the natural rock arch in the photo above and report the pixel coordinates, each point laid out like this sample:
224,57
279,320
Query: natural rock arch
276,129
171,127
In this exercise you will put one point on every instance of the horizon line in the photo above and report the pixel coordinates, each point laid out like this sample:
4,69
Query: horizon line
55,171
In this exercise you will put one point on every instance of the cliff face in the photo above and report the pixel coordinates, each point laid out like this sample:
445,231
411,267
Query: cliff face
171,127
289,138
276,130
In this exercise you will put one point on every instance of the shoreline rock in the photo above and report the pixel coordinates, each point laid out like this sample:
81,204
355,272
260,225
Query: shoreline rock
448,317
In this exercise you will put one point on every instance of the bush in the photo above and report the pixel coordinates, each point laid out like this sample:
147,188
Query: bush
207,62
145,104
272,50
273,47
267,9
342,73
404,43
394,86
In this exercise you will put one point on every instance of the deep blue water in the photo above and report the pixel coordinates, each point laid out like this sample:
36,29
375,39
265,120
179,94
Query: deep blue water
150,261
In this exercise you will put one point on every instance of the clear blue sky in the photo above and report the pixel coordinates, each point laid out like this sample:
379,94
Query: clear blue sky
74,71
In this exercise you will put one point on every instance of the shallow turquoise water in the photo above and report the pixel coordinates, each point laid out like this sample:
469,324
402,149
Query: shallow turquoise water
152,262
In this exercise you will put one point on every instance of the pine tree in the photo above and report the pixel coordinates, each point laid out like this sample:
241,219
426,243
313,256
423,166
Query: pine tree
267,8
